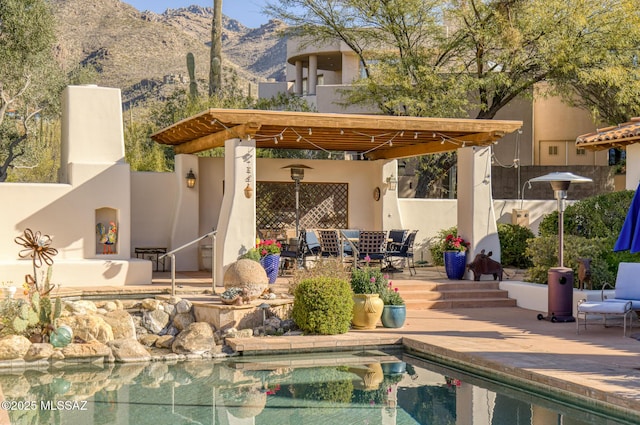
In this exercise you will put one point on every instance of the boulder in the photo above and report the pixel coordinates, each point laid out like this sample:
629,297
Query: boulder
151,304
39,351
148,340
88,327
249,275
183,320
129,350
81,307
165,341
155,321
121,324
90,349
13,347
196,339
183,306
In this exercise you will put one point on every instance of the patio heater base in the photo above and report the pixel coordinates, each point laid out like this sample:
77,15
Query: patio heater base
557,319
560,296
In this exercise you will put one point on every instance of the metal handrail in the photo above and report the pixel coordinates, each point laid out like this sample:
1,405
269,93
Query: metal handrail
172,253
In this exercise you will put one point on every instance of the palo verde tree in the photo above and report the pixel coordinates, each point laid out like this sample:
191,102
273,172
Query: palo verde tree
457,58
29,76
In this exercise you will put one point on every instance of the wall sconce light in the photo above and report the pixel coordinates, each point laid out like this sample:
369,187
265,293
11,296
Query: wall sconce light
392,182
191,179
248,191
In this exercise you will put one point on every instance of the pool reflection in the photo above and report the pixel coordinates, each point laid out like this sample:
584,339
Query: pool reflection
345,388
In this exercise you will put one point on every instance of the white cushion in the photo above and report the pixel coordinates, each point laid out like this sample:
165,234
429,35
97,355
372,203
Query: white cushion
628,281
605,307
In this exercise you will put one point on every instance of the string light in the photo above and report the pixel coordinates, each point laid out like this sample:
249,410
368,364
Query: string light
373,139
299,138
415,135
310,132
275,140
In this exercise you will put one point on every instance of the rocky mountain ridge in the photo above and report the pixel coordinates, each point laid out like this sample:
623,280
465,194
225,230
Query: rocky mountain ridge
144,53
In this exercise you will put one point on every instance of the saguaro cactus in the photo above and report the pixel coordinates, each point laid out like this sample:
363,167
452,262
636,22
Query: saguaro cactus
191,67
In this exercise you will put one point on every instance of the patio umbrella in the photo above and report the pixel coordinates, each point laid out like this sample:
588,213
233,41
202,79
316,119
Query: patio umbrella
629,238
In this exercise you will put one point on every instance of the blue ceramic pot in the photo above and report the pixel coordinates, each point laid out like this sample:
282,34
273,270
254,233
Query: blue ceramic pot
393,316
455,263
271,265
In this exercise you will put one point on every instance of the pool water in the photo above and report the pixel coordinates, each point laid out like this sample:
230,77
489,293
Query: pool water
372,387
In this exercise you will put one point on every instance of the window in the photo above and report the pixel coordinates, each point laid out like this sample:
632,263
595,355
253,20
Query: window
553,150
581,151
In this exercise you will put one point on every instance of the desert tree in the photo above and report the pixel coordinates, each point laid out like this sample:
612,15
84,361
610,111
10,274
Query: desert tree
29,79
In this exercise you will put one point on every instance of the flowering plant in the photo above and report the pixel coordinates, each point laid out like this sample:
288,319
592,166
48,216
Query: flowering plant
454,243
367,280
391,295
268,246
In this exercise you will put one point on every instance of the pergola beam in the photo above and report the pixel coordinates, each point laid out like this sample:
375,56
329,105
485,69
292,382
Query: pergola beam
444,145
216,140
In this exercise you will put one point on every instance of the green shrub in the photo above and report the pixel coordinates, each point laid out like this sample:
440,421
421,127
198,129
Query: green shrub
544,254
598,216
436,243
513,245
324,267
323,305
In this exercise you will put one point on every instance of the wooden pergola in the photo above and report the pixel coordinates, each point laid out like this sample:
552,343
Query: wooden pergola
371,136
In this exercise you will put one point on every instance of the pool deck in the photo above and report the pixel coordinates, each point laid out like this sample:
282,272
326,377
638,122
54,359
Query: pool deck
598,365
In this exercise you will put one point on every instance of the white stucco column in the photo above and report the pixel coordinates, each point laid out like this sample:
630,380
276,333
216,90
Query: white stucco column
390,208
633,166
312,77
476,216
299,78
237,223
186,216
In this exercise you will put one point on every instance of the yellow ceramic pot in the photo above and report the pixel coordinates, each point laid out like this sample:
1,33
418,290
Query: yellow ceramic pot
367,310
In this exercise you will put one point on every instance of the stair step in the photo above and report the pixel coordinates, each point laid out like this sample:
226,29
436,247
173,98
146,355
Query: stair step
451,295
460,303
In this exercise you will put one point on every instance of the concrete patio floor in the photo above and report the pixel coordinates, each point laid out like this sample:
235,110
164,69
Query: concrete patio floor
599,365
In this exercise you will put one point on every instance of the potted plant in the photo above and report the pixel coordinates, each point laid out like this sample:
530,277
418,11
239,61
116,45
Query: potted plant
267,253
394,312
367,284
454,249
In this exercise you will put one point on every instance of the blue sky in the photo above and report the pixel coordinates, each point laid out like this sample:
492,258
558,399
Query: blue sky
248,12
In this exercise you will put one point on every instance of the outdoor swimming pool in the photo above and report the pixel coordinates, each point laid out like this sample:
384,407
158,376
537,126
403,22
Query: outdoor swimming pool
370,387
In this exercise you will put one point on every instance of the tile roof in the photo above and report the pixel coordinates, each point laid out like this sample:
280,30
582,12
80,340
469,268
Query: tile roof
617,136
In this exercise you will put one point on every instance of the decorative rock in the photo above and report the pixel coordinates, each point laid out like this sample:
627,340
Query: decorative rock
57,355
148,340
247,274
183,306
183,320
13,347
81,307
196,339
151,304
121,324
234,333
88,327
129,350
164,341
38,352
155,320
110,306
170,309
90,349
170,330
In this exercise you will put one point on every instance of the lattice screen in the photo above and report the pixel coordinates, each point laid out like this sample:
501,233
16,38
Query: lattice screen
322,206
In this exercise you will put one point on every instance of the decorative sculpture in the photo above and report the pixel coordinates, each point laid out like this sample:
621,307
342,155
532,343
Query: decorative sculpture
482,264
108,237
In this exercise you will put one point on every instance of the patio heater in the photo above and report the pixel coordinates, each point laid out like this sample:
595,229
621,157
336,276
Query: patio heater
297,175
560,279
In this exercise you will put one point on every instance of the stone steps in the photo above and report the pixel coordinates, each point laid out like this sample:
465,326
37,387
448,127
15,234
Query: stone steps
454,294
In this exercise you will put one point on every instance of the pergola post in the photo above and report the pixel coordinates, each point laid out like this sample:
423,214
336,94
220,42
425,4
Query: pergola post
476,216
237,222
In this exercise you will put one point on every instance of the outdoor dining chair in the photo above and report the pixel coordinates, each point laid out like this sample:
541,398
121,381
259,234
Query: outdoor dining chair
372,246
330,245
396,239
306,245
406,252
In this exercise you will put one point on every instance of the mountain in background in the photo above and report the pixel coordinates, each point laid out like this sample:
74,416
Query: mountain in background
144,53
